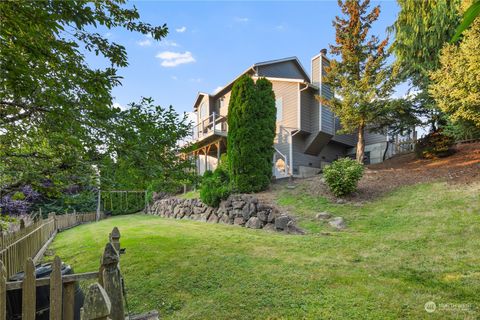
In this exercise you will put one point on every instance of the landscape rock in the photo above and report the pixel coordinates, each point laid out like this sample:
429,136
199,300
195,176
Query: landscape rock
323,216
253,223
338,223
282,221
341,201
239,221
239,209
213,218
269,227
293,229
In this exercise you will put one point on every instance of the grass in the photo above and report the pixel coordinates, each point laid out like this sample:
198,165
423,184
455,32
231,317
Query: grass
415,245
190,195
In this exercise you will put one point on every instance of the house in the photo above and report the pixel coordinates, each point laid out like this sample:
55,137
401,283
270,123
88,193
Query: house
306,138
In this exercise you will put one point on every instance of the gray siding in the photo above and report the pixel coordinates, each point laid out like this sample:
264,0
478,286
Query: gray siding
287,69
329,153
309,111
327,120
288,91
371,138
316,71
328,124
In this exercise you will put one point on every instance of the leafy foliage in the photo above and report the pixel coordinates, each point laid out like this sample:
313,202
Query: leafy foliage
145,154
59,129
361,79
468,17
342,176
215,187
251,123
455,85
421,29
433,145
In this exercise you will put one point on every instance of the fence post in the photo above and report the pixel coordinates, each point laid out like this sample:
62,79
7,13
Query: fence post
112,281
115,239
3,291
99,199
97,304
29,291
69,300
56,290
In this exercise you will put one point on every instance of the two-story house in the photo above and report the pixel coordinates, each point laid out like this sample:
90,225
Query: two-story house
306,136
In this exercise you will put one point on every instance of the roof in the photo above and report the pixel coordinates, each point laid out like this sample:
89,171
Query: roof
294,59
252,70
258,64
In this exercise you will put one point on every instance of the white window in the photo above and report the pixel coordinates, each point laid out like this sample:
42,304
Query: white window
279,106
203,111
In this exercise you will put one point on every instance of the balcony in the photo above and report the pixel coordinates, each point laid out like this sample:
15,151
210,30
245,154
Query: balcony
210,128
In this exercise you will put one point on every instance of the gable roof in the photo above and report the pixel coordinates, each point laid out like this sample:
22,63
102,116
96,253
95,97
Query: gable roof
253,70
292,59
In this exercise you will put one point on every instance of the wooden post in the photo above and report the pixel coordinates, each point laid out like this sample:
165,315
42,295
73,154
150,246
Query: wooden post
146,202
97,304
112,281
3,291
29,291
56,290
69,301
99,196
115,239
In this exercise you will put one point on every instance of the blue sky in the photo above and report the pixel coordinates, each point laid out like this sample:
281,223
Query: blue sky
210,43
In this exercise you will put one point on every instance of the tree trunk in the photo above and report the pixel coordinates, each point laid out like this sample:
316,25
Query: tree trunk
361,143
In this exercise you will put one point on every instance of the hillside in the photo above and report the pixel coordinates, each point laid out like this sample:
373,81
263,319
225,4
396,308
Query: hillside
462,168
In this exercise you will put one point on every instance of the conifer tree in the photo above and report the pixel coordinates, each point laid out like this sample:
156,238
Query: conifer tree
251,130
360,78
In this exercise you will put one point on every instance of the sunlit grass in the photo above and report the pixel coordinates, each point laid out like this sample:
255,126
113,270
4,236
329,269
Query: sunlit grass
415,245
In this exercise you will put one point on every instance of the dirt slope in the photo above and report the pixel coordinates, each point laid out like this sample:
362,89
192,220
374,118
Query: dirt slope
461,168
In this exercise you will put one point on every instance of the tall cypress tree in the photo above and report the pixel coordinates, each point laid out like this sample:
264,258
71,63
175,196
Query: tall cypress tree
251,130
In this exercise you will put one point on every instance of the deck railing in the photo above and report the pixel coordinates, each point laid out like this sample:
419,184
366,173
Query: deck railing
214,124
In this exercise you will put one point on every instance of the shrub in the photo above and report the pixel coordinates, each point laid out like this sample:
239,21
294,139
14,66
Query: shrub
215,187
251,131
342,176
434,145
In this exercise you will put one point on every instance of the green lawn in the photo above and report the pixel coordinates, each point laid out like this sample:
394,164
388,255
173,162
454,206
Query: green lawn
417,244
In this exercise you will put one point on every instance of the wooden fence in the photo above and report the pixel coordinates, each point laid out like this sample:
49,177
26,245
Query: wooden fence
31,241
104,298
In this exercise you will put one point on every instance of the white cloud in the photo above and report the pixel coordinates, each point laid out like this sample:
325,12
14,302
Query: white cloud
195,80
173,59
280,27
217,89
241,19
181,29
145,43
174,77
108,35
168,43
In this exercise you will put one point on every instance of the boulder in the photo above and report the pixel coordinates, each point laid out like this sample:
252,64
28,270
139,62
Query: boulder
323,216
213,218
282,221
239,221
338,223
269,227
253,223
293,229
238,204
263,216
341,201
225,219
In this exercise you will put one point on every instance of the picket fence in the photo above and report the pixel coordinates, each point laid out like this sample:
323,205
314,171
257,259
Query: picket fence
31,241
104,298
